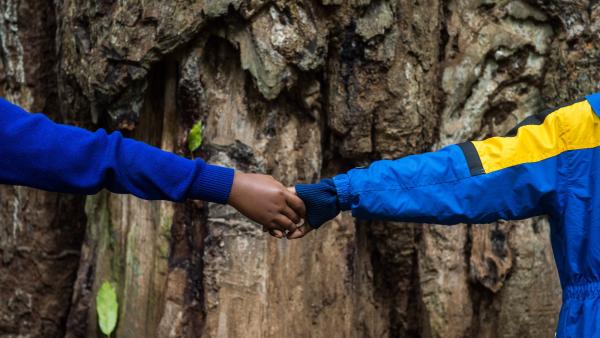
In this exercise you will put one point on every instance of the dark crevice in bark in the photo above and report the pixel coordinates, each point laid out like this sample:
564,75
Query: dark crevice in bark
395,267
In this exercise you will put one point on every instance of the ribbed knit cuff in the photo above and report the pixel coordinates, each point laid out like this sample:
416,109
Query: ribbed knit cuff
342,185
320,200
213,183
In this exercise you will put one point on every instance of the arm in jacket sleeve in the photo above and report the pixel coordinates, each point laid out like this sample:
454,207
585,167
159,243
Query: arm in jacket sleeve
36,152
512,177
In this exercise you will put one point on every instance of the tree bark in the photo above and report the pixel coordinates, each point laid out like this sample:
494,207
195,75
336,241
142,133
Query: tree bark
299,90
40,233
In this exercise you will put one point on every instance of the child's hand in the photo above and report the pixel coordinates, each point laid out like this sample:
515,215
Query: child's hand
266,201
302,230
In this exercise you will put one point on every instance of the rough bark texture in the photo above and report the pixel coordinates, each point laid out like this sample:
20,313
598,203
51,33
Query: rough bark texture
299,90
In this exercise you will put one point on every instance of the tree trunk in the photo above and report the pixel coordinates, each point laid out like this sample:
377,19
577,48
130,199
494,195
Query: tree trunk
299,90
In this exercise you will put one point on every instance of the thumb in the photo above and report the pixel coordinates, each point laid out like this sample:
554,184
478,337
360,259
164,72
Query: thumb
300,232
276,233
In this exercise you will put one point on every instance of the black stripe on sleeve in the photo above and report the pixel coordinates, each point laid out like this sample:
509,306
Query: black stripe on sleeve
539,118
473,160
470,152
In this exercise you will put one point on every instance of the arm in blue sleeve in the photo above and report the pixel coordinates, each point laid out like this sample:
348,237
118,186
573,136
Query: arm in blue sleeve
512,177
36,152
439,187
436,187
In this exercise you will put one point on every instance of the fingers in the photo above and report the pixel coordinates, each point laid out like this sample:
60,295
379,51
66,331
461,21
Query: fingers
294,202
289,216
289,213
300,232
283,223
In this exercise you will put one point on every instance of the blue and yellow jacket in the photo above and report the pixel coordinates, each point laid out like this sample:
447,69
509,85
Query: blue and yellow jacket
548,165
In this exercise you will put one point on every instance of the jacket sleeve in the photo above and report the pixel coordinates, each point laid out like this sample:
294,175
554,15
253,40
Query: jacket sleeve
441,187
36,152
516,176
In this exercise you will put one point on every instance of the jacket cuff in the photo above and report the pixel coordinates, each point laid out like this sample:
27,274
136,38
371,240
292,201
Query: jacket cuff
213,183
342,185
320,200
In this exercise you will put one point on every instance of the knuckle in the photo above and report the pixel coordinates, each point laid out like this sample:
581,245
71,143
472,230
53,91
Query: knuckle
273,212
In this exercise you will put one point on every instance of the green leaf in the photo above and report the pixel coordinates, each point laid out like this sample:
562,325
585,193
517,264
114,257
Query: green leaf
107,308
195,137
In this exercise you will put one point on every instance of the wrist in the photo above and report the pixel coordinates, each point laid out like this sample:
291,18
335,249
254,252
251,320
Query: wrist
236,187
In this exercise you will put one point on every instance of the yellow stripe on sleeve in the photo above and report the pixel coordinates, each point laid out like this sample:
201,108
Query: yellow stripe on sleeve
569,128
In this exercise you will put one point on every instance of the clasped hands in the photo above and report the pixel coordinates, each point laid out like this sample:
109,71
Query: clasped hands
268,202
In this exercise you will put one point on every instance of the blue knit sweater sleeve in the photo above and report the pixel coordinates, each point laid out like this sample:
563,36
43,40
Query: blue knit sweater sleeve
38,153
